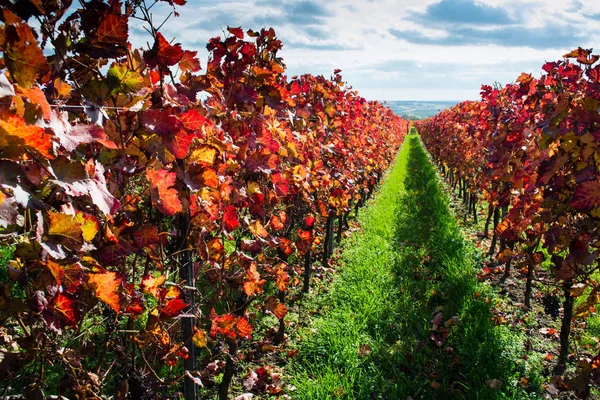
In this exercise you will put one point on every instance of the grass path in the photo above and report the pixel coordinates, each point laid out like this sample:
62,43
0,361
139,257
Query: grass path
406,316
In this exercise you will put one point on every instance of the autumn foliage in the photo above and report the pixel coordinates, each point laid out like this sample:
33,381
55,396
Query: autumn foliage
531,150
141,194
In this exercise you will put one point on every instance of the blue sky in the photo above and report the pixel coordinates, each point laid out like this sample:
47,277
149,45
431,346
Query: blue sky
400,49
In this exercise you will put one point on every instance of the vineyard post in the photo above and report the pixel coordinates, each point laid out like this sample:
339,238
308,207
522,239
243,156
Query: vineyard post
228,372
474,207
494,235
527,300
565,328
486,227
340,227
186,273
327,241
307,268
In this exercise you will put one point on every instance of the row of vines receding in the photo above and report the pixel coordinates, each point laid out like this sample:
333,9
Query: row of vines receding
531,150
155,208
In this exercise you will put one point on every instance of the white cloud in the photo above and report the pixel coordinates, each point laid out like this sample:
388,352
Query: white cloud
356,37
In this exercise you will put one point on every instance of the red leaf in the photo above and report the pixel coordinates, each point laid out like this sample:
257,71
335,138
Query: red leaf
179,143
304,235
252,246
223,325
65,306
189,62
309,220
146,235
172,309
587,196
237,32
282,186
162,192
193,121
70,137
162,53
113,29
230,219
88,179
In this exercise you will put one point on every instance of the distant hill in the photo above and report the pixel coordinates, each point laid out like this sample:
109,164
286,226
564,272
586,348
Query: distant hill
419,109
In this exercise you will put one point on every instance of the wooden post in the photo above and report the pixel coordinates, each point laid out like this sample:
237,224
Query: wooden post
186,273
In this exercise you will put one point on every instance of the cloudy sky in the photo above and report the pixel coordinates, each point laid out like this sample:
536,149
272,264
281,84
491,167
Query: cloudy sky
399,49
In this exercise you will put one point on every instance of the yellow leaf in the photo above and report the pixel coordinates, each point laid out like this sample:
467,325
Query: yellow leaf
205,154
199,338
253,187
89,226
73,227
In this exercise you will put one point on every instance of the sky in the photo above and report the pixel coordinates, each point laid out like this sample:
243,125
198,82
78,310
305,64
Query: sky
398,49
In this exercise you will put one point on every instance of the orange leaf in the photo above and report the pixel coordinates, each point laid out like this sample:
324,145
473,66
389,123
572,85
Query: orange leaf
244,329
223,325
161,189
17,133
146,235
252,282
210,178
257,228
65,306
215,249
37,98
283,279
69,275
150,285
276,307
304,235
276,222
286,246
63,89
23,56
107,286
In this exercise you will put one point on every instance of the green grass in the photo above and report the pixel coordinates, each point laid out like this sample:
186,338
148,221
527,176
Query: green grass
409,263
